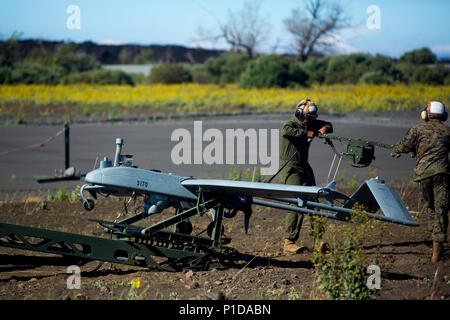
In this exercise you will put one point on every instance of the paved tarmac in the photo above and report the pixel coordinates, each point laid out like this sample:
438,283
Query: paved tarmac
151,145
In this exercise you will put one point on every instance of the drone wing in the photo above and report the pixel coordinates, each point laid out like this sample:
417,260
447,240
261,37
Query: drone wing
256,189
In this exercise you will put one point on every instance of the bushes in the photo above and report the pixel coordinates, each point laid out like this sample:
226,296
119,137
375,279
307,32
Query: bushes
100,76
273,71
347,68
435,75
76,63
29,73
69,66
34,73
169,73
341,268
382,70
9,51
317,69
415,66
66,66
375,77
71,61
388,68
5,75
201,75
418,57
223,69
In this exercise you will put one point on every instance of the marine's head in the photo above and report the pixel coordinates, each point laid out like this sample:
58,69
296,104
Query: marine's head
306,110
434,109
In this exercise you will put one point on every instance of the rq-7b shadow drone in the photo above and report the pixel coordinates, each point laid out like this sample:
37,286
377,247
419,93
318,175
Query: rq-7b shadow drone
180,249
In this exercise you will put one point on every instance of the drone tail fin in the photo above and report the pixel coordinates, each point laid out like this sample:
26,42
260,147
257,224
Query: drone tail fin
374,195
332,187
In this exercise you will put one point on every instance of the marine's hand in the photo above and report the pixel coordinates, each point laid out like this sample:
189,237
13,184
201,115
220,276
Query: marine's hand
311,134
323,130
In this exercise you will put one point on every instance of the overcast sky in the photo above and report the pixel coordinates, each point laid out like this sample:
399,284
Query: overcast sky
404,25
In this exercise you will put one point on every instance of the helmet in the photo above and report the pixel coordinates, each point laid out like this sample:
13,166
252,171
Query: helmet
434,110
306,109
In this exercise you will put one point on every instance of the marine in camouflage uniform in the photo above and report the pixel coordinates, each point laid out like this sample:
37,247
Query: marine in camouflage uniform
297,134
430,143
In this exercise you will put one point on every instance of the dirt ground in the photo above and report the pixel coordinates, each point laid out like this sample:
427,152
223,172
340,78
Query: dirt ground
261,271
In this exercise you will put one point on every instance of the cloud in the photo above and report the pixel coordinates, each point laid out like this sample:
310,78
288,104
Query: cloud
204,44
337,45
110,42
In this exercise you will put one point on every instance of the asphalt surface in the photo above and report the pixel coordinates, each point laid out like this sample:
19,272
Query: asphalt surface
150,144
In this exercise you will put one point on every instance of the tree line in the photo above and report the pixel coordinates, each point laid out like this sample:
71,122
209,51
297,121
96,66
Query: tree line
68,67
64,67
416,66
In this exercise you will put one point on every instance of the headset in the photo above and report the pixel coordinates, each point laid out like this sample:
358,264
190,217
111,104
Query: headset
304,108
426,113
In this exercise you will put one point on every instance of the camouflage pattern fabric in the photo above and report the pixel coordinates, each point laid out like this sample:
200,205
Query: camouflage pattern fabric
430,143
435,192
297,171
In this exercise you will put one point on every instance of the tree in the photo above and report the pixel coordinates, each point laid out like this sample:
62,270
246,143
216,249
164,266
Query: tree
435,75
9,50
347,68
311,26
145,56
71,61
227,68
418,57
273,71
244,30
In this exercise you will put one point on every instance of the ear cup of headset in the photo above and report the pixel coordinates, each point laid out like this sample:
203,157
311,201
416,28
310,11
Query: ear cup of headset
300,107
424,115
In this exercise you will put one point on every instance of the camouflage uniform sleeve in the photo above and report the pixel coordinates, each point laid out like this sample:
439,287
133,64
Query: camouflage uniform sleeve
408,143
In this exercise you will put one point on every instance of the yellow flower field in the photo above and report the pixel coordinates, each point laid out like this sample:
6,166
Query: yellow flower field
201,98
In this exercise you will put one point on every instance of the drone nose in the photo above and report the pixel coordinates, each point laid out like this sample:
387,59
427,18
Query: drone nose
94,177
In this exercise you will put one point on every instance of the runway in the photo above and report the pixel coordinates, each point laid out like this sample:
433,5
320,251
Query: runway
152,147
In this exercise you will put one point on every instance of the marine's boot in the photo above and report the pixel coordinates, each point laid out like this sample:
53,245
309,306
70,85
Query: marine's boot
291,248
437,251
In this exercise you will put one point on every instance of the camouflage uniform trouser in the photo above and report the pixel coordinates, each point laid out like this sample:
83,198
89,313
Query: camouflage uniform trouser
435,192
294,176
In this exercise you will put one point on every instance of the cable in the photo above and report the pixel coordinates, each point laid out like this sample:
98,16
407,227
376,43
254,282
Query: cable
282,167
41,144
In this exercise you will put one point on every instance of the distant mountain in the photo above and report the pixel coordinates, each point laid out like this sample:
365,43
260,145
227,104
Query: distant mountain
124,54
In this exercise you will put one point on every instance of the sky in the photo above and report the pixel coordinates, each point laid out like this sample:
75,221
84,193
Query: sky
404,25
